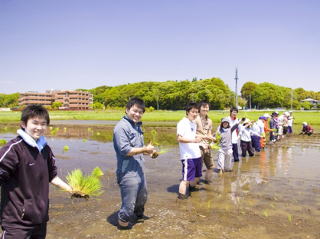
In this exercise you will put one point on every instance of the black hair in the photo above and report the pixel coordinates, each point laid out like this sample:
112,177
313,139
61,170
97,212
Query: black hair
34,110
191,105
233,108
202,103
136,101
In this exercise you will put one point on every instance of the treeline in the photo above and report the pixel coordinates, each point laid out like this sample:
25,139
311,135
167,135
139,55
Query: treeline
267,95
174,95
9,100
169,95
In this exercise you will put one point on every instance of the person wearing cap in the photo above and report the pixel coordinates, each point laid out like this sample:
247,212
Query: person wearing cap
257,134
286,116
274,127
225,151
235,134
245,133
290,123
306,129
266,129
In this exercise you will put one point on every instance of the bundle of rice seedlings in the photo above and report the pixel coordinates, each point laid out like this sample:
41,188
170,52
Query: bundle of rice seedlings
85,185
215,146
157,153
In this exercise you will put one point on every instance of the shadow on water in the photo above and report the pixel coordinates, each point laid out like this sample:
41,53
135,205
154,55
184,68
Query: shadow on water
274,194
173,189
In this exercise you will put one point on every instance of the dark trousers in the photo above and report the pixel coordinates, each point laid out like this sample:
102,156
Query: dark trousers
246,146
256,143
235,152
35,232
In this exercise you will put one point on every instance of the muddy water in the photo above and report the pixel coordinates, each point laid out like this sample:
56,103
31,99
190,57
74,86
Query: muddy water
272,195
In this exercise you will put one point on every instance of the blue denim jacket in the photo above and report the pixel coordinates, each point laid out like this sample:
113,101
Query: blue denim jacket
128,135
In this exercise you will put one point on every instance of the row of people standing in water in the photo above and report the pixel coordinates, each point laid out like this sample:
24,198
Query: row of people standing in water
195,136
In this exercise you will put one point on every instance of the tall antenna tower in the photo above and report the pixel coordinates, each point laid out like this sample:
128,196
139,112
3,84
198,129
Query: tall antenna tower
236,90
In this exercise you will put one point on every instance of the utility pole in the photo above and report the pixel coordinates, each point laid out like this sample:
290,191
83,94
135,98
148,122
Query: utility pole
236,91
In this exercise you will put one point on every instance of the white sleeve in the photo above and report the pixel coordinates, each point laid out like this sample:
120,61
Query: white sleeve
180,129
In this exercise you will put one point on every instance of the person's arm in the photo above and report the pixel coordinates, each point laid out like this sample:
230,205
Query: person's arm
9,161
149,149
182,139
237,124
58,182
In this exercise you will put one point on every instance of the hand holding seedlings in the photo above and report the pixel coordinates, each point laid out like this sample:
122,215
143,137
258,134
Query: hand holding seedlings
149,149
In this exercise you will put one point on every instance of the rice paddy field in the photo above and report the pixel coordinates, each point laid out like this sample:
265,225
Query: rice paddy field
273,195
312,117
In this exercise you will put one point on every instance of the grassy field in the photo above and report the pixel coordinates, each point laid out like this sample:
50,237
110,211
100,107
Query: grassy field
311,117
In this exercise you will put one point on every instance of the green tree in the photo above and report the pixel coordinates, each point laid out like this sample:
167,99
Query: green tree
55,105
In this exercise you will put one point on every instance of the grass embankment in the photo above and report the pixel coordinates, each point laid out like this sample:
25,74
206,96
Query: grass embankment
311,117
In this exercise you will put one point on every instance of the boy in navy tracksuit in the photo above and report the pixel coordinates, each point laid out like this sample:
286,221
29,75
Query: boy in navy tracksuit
27,165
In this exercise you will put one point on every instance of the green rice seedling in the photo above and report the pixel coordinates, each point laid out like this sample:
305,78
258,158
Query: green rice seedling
85,185
157,153
3,142
215,145
97,172
154,137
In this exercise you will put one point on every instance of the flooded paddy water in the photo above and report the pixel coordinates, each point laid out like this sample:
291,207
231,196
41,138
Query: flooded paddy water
275,194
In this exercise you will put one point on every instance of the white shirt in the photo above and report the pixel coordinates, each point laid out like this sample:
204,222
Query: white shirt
256,129
245,133
235,133
187,129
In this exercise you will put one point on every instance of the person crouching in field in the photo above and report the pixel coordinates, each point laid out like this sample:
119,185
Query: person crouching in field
190,154
225,151
27,166
204,128
306,129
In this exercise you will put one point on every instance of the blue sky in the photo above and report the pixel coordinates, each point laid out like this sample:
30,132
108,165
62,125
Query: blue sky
59,44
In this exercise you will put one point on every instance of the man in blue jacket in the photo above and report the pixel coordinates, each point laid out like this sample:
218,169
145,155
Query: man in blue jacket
129,146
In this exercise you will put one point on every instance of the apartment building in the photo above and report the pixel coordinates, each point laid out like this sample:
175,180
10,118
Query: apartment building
29,98
70,99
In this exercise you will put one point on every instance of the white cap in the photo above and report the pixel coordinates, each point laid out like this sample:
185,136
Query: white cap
305,123
266,115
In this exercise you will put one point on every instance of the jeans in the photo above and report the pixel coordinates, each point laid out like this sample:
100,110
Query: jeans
256,143
235,152
133,190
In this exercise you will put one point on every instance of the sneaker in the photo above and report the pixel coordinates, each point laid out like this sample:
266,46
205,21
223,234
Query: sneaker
182,196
